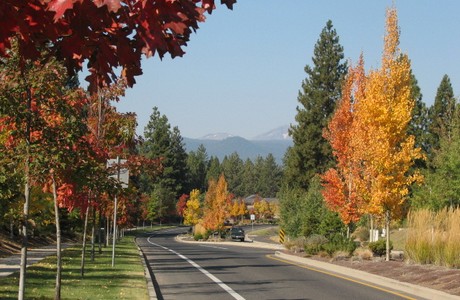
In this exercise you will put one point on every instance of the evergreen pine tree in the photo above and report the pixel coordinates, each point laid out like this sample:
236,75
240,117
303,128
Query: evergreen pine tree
311,153
232,167
197,164
213,170
418,126
441,114
162,142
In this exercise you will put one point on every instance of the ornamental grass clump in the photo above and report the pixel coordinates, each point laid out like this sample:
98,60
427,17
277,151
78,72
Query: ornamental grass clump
434,237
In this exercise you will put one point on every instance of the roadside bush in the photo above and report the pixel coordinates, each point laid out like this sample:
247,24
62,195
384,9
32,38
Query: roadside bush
314,244
379,247
198,237
296,245
361,234
339,243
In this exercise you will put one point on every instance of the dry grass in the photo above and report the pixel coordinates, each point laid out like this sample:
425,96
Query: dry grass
434,237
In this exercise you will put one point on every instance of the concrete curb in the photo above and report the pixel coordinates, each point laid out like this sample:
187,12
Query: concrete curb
389,283
253,244
147,273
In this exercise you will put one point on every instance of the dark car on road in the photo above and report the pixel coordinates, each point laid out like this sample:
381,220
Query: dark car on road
237,233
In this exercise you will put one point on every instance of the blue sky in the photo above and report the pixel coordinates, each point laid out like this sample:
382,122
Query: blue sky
243,69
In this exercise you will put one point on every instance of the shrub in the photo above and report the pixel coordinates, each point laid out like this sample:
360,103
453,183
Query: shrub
198,237
361,234
379,247
339,243
314,243
296,245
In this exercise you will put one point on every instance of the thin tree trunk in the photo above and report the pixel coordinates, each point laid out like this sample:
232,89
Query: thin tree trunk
371,239
25,216
107,239
57,290
83,248
99,233
93,232
387,229
24,244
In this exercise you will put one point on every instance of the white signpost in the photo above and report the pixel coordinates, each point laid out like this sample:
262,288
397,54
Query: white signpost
253,217
121,176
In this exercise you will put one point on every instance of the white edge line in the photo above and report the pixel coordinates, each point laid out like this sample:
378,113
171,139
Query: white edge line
209,275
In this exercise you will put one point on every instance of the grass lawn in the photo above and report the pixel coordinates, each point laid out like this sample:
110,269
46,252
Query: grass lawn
125,281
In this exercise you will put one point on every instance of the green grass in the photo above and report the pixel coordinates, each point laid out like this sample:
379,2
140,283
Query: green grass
124,281
398,238
272,231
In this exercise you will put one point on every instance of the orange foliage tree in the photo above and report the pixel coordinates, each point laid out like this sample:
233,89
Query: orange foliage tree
373,149
340,183
217,204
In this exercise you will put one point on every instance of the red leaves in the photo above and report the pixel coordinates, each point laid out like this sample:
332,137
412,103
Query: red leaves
109,34
59,7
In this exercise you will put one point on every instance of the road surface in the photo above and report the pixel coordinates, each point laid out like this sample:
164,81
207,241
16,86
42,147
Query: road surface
196,271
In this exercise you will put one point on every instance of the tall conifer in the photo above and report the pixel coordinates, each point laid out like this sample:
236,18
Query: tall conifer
311,153
441,113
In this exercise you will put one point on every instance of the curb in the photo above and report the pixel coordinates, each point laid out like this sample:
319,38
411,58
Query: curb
253,244
147,273
389,283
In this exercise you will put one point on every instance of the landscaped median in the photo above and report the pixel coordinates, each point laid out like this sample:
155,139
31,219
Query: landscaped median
125,280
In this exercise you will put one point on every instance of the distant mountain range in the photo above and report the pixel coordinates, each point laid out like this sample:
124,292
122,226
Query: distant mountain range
275,142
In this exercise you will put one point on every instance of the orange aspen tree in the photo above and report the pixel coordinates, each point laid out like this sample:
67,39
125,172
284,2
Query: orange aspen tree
384,148
217,205
340,183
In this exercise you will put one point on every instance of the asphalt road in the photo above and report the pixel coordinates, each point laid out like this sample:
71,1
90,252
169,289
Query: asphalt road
196,271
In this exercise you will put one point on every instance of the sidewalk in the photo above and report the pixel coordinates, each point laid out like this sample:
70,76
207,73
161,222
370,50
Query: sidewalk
10,264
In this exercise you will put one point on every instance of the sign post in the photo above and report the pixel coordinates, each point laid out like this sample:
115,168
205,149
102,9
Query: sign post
253,217
121,176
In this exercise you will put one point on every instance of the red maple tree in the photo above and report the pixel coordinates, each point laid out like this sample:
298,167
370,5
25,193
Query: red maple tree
108,34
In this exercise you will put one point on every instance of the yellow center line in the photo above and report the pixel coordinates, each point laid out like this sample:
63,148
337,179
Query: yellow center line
340,276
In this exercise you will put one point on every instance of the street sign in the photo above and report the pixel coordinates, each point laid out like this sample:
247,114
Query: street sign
124,172
253,217
281,236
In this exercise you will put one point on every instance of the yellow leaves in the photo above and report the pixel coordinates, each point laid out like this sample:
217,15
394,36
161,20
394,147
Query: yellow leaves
382,108
192,212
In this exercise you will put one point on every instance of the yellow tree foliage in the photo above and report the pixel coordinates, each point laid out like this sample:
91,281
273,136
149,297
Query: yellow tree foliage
192,212
262,209
217,204
382,114
368,134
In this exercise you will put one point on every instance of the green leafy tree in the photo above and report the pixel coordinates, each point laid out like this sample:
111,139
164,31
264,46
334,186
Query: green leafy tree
303,213
311,154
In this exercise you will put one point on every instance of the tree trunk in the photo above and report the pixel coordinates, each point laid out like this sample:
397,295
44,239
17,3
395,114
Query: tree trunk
24,244
371,238
387,229
83,247
99,232
107,230
57,290
25,216
93,232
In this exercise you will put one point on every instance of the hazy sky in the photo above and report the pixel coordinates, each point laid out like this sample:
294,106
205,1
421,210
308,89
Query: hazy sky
243,69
